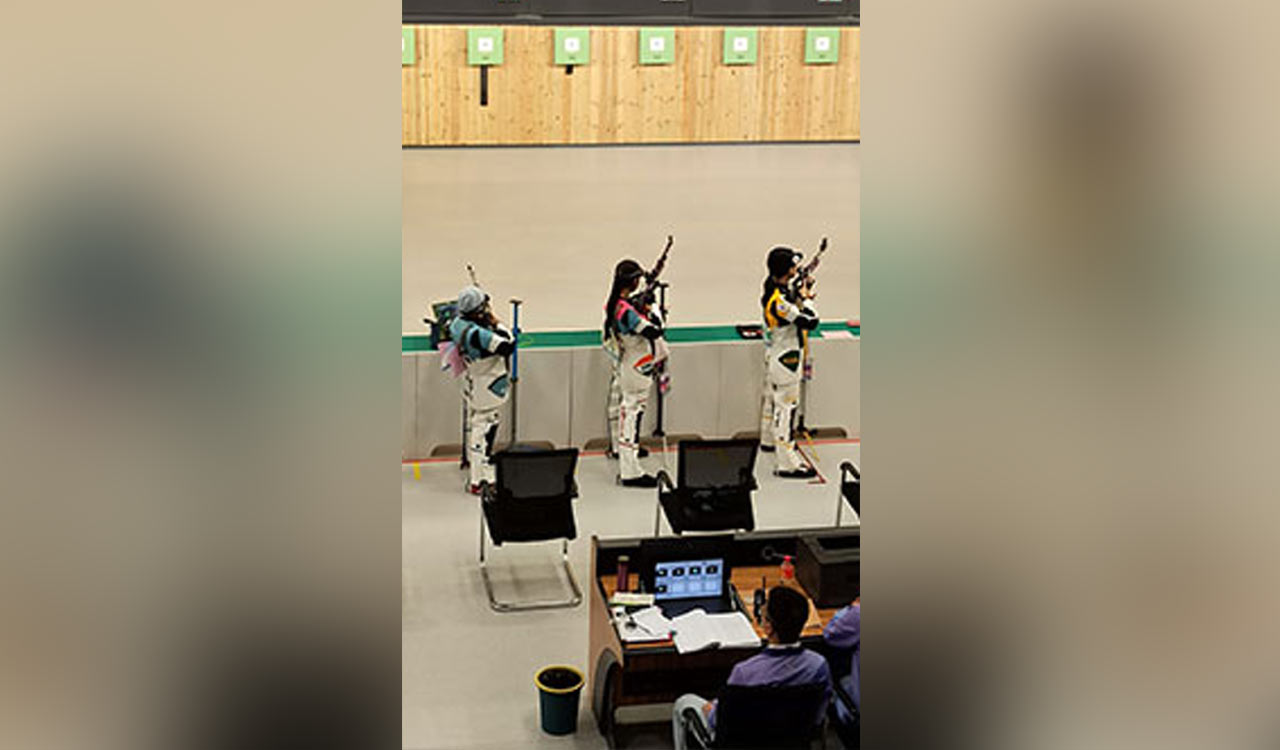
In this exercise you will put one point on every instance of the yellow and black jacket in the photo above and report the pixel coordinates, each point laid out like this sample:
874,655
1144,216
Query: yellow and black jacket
787,320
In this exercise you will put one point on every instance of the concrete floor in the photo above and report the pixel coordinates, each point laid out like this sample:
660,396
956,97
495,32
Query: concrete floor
468,671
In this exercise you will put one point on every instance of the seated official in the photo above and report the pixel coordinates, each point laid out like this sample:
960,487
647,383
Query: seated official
782,662
845,632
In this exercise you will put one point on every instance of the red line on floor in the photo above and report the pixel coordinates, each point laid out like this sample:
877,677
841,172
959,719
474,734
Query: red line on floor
588,454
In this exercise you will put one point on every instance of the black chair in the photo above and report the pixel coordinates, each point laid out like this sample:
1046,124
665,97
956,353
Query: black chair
716,479
532,501
850,490
850,733
760,718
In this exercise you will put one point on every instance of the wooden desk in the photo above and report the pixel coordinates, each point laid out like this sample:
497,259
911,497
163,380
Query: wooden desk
746,580
644,673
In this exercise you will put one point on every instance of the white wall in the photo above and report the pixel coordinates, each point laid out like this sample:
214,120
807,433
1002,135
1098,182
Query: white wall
548,225
715,393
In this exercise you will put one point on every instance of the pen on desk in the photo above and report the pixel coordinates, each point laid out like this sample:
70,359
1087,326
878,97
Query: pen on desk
631,623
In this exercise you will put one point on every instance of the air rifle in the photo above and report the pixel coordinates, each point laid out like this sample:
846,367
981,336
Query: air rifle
652,285
805,273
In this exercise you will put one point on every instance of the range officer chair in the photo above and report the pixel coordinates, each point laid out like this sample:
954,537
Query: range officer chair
850,733
716,479
763,717
532,501
850,490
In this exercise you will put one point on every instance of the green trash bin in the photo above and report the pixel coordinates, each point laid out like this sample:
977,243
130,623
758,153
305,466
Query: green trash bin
559,688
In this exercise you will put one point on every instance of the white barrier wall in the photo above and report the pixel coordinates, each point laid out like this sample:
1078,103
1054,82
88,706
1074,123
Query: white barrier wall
715,393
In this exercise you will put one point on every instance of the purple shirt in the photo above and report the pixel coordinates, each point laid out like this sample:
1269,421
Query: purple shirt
845,631
778,666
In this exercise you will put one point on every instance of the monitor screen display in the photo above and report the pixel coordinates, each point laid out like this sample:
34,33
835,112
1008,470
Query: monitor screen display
687,579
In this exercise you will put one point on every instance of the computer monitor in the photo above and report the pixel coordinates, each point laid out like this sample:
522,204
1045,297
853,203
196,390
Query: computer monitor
686,567
688,579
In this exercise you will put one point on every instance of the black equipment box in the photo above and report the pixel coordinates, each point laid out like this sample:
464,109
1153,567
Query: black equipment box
776,8
604,8
423,11
829,568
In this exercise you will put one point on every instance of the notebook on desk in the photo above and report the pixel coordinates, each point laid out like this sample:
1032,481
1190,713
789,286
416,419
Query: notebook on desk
644,626
696,630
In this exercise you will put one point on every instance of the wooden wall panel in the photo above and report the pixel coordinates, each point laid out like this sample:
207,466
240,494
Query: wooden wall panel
413,122
614,99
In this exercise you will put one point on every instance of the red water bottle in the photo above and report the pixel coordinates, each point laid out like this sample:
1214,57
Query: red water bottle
624,578
788,571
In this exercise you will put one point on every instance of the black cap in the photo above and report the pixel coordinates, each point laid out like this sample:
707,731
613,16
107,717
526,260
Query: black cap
627,271
781,260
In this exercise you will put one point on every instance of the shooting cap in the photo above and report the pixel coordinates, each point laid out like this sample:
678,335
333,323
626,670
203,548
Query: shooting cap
627,271
782,259
471,299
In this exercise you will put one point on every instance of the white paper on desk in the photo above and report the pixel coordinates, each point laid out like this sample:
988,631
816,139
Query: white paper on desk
696,630
653,619
651,625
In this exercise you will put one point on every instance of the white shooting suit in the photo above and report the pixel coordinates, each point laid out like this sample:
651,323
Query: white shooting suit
484,389
631,352
787,321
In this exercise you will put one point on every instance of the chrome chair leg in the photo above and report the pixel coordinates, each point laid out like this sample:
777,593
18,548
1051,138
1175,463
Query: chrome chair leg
498,605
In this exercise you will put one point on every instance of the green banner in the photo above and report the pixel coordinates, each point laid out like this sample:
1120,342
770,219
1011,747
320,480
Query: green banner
421,342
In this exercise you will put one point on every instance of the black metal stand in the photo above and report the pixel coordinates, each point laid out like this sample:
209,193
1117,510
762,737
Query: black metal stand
662,308
806,374
464,460
800,429
515,365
